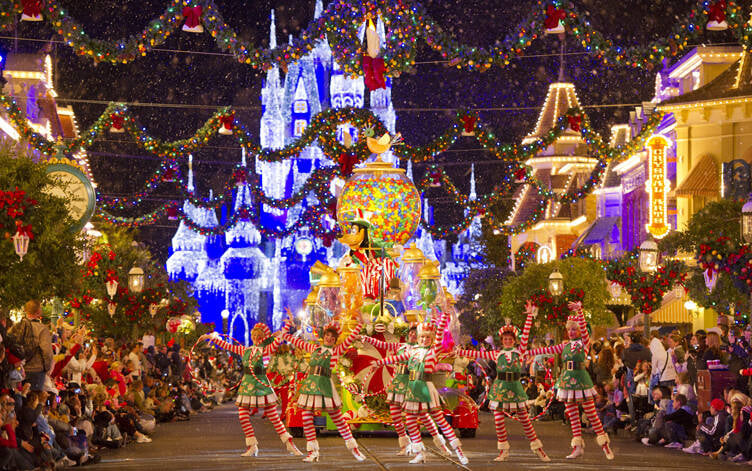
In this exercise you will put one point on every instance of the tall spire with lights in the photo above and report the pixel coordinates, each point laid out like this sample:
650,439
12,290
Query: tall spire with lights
473,195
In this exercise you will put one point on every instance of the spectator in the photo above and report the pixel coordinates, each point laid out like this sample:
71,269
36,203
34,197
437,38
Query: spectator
674,427
684,388
135,358
662,365
604,366
80,364
710,432
36,340
735,444
712,352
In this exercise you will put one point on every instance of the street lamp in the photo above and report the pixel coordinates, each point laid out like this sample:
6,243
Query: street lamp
136,279
649,256
747,220
225,316
555,283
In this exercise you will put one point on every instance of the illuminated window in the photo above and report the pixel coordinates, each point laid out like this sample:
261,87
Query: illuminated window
300,125
300,106
545,254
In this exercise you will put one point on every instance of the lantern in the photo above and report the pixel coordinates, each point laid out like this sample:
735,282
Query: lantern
225,317
328,297
111,307
747,220
711,278
352,289
615,289
555,283
649,256
412,262
111,286
431,293
153,309
136,280
21,244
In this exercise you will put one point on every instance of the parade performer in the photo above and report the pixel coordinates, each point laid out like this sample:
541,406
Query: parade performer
574,386
422,401
507,393
318,393
397,391
255,391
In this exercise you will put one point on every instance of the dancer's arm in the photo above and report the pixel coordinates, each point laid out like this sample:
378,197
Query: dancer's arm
553,350
300,343
237,349
344,346
478,354
388,346
390,360
532,311
584,335
272,347
443,323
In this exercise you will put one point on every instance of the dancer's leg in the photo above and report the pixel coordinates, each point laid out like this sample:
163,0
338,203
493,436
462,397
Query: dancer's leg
502,440
448,431
342,427
527,424
244,415
395,411
601,437
411,420
273,414
574,419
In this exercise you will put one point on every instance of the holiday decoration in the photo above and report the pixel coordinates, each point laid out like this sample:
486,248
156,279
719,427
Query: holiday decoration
526,255
554,20
555,308
32,10
717,16
117,123
373,42
468,125
192,17
574,123
373,72
173,324
21,242
646,290
228,123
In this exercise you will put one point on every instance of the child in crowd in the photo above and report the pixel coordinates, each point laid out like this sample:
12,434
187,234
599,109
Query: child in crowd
710,432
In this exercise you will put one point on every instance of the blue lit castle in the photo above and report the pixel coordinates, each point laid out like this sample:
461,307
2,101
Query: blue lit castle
255,279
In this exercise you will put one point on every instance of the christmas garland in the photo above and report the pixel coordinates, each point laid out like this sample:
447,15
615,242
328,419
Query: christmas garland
556,308
725,255
646,290
526,254
404,22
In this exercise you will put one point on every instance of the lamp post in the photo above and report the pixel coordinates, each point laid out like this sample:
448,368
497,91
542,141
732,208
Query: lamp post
556,283
747,230
648,259
136,279
225,316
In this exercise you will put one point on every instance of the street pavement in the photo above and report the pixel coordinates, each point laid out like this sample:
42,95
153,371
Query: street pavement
214,441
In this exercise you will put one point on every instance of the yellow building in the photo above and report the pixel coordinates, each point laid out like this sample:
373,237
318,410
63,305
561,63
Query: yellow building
561,167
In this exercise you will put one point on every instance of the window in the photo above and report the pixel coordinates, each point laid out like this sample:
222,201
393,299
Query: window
300,125
300,106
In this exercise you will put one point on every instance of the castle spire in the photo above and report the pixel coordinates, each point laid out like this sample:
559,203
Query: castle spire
318,9
473,194
273,33
191,188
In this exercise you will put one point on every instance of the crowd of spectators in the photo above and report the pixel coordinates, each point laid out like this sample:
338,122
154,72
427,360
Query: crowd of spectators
65,395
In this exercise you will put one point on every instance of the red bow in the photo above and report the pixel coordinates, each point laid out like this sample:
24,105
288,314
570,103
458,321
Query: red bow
24,230
553,16
574,122
346,163
111,276
117,121
172,213
717,11
32,7
192,16
434,179
244,214
520,174
227,120
373,71
240,176
469,123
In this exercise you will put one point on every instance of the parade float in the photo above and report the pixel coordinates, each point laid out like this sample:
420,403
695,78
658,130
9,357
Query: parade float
387,286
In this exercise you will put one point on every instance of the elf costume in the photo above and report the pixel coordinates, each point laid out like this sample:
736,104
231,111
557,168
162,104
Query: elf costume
574,386
507,395
318,393
255,391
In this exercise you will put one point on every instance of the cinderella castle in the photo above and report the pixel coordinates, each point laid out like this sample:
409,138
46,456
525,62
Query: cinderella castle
254,279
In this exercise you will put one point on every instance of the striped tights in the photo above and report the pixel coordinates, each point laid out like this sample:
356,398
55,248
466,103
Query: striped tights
592,415
395,411
573,413
310,431
524,418
270,411
411,420
447,430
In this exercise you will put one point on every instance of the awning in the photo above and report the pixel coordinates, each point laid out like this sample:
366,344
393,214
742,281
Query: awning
703,180
601,231
671,312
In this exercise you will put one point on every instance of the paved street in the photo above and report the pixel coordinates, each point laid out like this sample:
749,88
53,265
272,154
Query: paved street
213,441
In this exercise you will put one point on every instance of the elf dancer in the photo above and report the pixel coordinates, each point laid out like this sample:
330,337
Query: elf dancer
255,390
317,393
507,394
397,390
574,386
422,399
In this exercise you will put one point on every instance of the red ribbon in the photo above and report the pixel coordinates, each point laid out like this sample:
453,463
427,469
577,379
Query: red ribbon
520,174
24,230
32,7
240,176
553,16
172,213
117,121
469,123
346,163
717,11
192,16
373,72
228,120
111,276
575,122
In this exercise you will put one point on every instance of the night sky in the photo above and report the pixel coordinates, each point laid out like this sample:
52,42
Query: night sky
212,79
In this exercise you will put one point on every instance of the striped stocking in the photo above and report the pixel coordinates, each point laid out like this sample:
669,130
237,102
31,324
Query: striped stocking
527,424
273,415
395,411
428,423
592,416
446,429
342,426
574,419
501,428
244,414
411,420
308,429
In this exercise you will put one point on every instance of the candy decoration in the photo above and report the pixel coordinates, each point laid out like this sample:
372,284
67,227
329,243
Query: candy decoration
32,10
117,122
192,17
428,292
717,16
227,124
553,21
373,72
